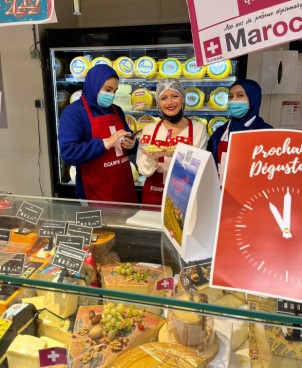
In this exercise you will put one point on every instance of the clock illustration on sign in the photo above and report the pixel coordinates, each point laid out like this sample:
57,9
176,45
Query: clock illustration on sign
268,233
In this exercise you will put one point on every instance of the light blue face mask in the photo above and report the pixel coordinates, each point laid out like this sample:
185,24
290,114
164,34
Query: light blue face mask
238,109
105,99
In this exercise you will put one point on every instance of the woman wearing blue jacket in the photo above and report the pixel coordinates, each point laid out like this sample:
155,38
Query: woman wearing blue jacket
244,105
94,136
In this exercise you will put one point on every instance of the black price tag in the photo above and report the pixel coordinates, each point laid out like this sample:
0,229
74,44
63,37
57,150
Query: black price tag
289,307
78,230
69,258
12,263
76,242
89,218
4,237
29,212
50,228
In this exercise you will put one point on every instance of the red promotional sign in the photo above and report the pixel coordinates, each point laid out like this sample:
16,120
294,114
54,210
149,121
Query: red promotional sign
241,26
52,356
259,237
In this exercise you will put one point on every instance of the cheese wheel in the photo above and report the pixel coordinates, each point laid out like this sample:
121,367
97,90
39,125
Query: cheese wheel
219,98
159,354
132,123
59,68
141,99
75,96
191,70
170,68
219,70
100,60
144,120
199,119
145,67
63,98
124,67
79,66
216,123
194,98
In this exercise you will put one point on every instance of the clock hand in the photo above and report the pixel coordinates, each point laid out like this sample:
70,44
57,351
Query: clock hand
279,221
287,211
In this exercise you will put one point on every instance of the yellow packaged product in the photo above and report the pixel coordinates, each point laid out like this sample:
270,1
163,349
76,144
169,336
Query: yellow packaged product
79,66
144,120
124,67
131,121
219,70
194,98
141,99
170,68
199,119
191,70
216,123
219,98
145,67
100,60
75,96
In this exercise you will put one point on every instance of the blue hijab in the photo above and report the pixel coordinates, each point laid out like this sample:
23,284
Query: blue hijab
94,81
254,94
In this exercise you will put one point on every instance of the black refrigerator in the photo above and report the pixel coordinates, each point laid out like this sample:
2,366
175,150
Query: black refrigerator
141,55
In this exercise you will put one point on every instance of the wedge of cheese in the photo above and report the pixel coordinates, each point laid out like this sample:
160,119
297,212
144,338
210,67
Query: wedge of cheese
93,344
24,352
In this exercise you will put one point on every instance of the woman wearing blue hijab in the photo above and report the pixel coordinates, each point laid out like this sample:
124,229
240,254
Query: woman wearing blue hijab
244,105
94,136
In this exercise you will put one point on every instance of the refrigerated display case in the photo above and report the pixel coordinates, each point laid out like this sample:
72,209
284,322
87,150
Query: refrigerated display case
141,56
158,301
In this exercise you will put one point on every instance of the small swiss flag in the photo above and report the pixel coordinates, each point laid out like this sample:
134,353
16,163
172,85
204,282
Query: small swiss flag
165,284
52,356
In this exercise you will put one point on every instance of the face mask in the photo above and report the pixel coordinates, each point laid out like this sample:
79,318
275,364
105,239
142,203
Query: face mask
174,119
105,99
238,109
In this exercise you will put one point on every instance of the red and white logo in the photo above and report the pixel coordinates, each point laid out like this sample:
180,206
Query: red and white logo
165,284
52,356
212,47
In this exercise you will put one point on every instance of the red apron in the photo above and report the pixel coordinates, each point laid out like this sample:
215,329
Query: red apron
109,177
221,159
154,184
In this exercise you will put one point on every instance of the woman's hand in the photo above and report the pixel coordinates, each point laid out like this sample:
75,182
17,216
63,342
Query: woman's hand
114,138
127,142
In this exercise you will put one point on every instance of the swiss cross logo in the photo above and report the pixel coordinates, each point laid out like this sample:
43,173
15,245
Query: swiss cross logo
212,47
53,356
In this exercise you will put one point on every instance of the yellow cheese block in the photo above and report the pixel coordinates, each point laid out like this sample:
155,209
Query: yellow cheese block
192,71
141,278
170,68
145,67
131,121
194,98
21,242
52,343
79,66
219,70
219,98
124,67
141,99
100,60
102,333
24,352
159,354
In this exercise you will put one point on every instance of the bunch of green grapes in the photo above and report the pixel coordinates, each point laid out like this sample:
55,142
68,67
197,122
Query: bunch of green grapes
116,318
128,270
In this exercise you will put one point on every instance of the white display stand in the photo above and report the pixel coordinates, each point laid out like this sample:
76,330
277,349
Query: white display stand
190,202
